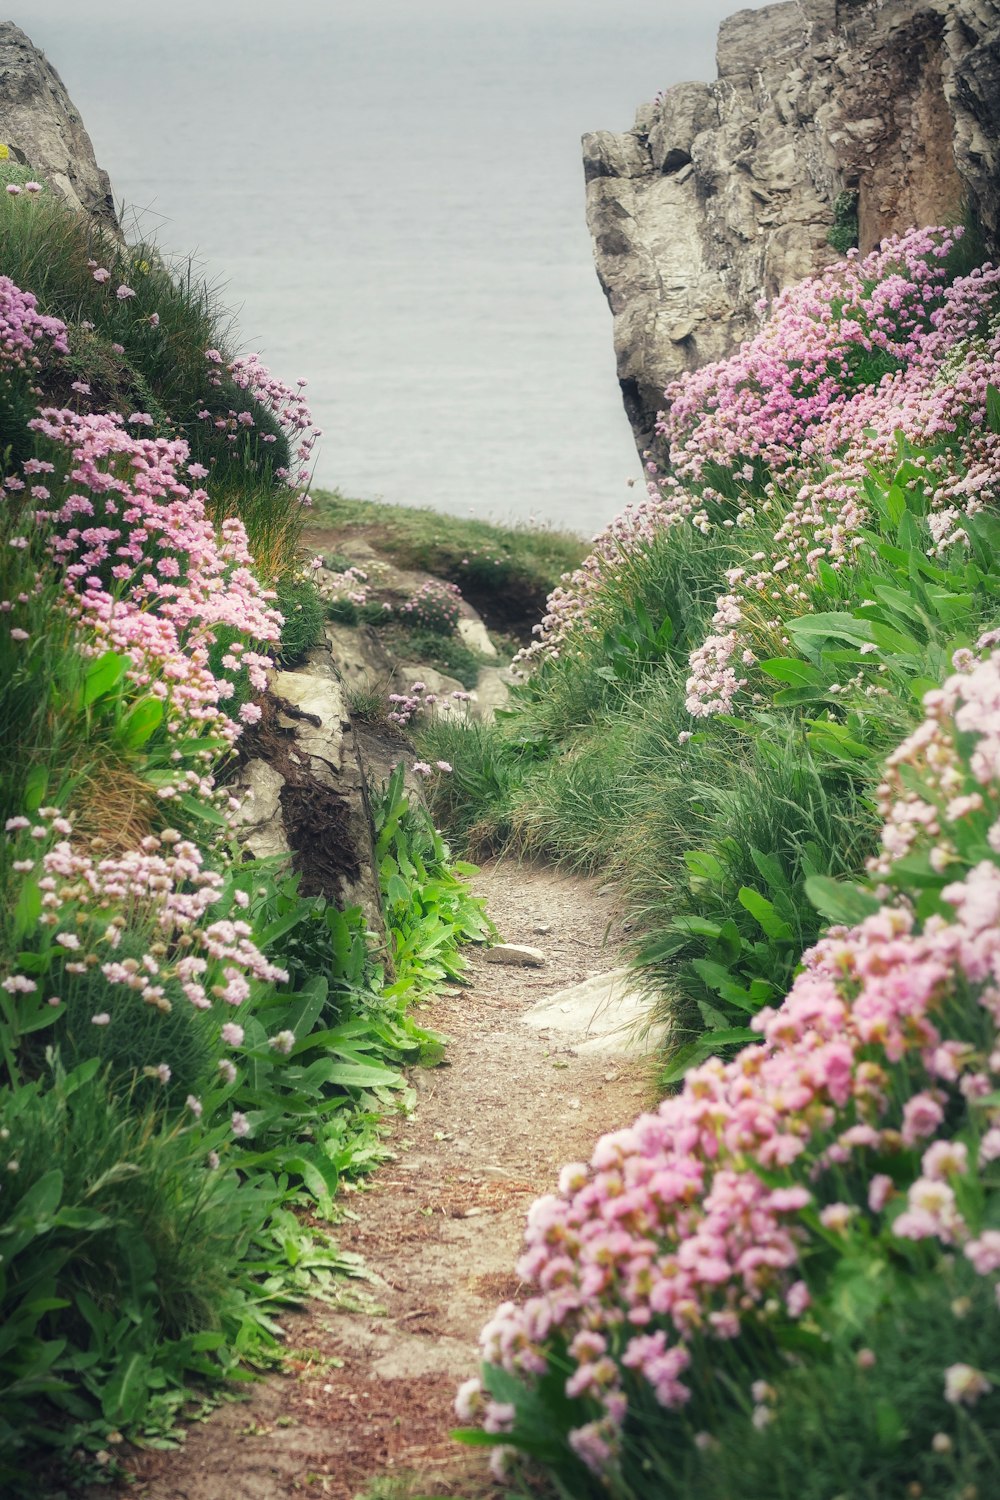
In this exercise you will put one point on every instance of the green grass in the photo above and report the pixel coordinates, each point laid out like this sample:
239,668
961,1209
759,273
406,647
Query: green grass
447,653
506,572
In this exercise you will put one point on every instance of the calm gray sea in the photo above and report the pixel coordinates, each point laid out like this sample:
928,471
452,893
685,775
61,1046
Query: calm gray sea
392,198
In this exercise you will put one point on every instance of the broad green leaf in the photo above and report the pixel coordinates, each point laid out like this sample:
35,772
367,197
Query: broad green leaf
102,675
791,669
36,786
125,1394
732,1036
839,901
140,723
28,909
993,408
202,811
702,865
764,914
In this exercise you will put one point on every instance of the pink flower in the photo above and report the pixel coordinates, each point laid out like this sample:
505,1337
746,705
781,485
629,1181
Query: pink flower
102,275
240,1124
232,1034
124,292
964,1385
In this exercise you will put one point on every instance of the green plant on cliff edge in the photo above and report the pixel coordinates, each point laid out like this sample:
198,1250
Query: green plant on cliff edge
844,234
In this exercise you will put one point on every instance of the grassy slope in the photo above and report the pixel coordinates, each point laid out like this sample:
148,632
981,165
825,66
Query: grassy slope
507,572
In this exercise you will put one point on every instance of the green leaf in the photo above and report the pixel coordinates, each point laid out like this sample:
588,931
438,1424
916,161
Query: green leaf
764,914
732,1036
702,865
832,625
36,784
28,909
124,1397
203,811
102,675
140,723
839,901
993,408
791,669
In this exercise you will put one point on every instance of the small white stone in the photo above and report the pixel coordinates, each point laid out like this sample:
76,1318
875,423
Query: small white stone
517,954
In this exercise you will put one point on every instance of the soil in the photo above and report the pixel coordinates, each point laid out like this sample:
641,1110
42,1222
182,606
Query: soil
367,1393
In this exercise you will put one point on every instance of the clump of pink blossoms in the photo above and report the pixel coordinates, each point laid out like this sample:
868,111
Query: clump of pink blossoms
145,571
871,1096
161,888
784,433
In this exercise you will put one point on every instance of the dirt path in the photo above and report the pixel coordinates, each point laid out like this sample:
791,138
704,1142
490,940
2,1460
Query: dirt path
440,1228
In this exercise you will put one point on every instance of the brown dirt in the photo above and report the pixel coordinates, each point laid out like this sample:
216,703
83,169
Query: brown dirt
369,1394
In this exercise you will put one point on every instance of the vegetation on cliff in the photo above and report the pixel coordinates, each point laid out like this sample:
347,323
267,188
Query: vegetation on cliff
191,1049
769,701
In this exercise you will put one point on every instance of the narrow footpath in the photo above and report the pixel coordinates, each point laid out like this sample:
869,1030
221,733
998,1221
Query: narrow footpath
369,1394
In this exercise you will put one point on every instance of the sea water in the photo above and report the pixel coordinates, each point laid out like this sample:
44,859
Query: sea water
391,201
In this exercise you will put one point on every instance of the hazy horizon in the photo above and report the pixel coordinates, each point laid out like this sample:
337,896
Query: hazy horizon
394,199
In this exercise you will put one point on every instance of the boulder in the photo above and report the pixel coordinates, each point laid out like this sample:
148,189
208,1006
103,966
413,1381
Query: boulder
305,791
723,192
41,127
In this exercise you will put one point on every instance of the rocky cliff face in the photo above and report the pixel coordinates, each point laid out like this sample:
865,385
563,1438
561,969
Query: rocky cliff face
42,129
723,192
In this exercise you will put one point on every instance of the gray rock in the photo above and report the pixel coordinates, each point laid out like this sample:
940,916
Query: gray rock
309,799
518,955
474,634
492,691
724,191
358,655
604,1014
41,125
258,824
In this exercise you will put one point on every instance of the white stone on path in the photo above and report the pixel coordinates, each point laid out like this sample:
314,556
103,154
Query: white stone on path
603,1014
515,953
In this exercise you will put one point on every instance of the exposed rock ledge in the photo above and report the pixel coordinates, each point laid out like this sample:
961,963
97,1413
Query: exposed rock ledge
42,128
723,192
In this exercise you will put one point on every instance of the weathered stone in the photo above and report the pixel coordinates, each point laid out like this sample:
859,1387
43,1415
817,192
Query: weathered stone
723,192
358,655
258,824
518,955
40,124
309,798
492,692
474,634
604,1014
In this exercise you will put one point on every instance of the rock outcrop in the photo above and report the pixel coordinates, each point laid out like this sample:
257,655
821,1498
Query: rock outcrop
303,788
42,129
725,192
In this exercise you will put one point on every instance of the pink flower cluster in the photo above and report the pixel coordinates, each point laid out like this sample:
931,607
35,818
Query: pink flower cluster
795,434
23,329
710,1218
435,605
145,572
286,404
799,370
417,699
929,790
162,888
